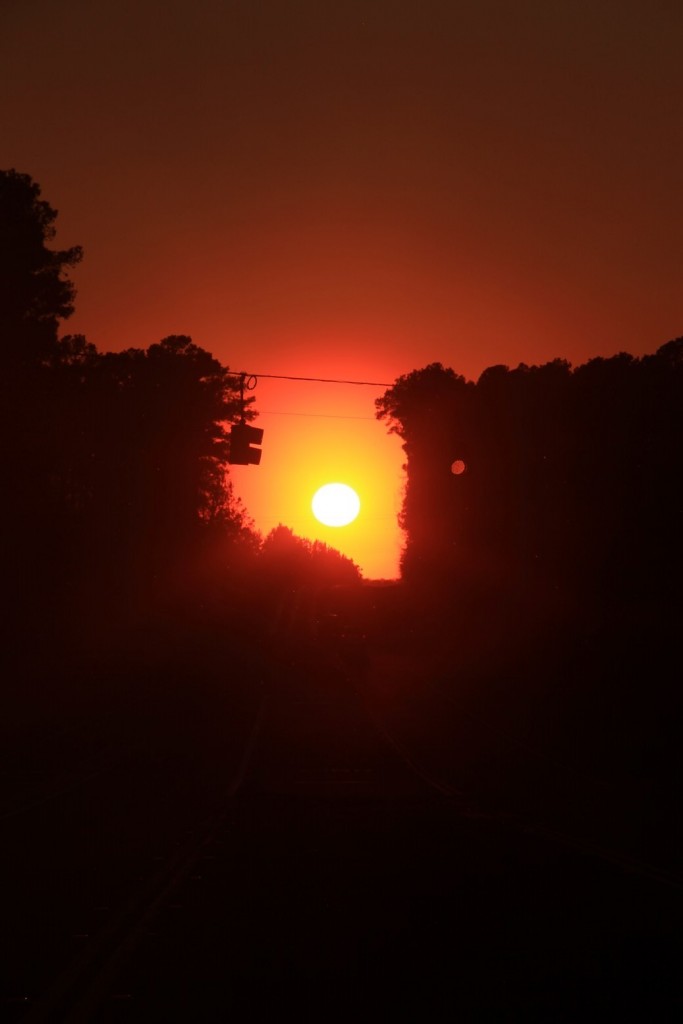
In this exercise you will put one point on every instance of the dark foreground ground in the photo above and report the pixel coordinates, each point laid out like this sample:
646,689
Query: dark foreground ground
305,834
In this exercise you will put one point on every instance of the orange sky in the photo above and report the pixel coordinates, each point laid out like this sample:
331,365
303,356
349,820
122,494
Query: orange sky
317,434
356,190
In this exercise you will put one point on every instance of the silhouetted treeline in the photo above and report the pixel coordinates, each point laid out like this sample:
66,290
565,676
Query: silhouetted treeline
571,482
287,562
114,464
543,581
117,499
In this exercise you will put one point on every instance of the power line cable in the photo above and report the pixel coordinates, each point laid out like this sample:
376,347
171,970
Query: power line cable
315,415
315,380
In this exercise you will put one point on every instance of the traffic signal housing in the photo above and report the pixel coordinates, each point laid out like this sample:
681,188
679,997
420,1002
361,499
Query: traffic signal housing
242,437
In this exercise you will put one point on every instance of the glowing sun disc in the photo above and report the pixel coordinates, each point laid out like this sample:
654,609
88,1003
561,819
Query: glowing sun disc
335,505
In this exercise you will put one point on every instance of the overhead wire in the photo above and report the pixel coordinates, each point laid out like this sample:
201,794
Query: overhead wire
314,380
314,415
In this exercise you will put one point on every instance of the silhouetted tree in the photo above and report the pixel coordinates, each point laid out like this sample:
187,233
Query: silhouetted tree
114,464
148,451
289,561
35,294
571,482
424,408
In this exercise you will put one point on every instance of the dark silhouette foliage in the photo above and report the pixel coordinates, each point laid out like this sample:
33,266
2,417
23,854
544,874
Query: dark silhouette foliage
119,505
572,478
149,451
35,294
545,581
115,464
288,561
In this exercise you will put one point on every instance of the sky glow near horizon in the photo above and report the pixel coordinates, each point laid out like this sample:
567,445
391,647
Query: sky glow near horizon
355,191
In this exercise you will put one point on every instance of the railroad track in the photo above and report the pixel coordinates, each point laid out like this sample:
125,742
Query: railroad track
79,989
278,760
327,795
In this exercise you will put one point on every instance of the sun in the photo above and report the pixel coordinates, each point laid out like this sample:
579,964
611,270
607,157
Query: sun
335,505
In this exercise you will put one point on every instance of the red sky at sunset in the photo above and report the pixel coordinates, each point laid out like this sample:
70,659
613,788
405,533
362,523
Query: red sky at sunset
355,190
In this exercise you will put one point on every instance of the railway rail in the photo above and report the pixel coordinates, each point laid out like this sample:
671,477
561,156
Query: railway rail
87,983
337,851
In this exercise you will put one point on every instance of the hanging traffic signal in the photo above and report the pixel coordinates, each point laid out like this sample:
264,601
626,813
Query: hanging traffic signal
242,437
